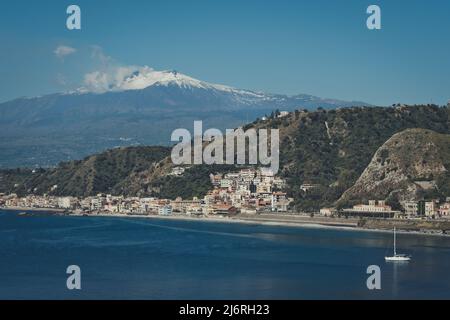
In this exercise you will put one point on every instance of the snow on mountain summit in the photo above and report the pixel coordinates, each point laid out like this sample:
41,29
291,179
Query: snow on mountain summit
147,77
138,78
135,78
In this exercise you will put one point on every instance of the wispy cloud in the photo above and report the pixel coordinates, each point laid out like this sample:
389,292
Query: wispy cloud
98,54
120,78
63,51
111,75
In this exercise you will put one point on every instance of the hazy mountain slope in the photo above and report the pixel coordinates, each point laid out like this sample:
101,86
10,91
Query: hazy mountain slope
48,129
400,164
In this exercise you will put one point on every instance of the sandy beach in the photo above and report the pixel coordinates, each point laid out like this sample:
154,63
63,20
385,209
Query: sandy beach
282,220
51,210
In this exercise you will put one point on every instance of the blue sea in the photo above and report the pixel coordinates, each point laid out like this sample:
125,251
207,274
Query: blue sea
141,258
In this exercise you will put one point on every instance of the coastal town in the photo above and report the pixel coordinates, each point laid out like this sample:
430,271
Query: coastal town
246,192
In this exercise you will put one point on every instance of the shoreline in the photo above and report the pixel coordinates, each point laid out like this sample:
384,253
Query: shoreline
51,210
302,221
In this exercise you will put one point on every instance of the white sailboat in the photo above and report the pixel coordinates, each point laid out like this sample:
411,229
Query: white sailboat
397,256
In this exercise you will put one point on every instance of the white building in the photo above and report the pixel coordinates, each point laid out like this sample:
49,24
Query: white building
328,211
266,172
66,202
444,210
308,186
279,202
374,208
411,208
283,114
177,171
225,183
165,210
431,208
247,174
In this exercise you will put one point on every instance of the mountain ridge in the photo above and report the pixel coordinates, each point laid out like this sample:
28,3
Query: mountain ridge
43,131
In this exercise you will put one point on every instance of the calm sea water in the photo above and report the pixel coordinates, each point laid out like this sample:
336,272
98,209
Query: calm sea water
125,258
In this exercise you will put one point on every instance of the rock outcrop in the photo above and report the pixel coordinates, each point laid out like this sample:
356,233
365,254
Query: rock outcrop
409,162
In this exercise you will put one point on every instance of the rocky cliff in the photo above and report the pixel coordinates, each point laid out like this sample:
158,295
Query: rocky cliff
406,166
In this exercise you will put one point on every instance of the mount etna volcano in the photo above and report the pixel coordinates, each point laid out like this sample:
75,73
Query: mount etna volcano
143,110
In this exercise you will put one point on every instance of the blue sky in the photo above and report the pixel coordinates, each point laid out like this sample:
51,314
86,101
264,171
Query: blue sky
319,47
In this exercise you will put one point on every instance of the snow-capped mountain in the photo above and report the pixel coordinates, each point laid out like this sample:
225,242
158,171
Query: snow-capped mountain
148,77
139,78
132,106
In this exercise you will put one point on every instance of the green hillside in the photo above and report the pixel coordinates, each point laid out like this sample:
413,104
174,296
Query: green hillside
329,148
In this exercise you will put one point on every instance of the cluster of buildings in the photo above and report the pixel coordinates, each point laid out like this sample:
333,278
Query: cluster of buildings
281,114
250,191
373,209
247,191
433,209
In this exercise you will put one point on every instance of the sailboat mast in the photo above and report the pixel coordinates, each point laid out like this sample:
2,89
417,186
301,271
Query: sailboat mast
395,248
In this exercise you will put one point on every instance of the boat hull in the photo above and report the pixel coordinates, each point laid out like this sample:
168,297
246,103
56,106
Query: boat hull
399,259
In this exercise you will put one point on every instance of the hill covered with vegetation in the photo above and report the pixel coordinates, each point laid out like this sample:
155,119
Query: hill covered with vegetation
99,173
332,148
327,148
